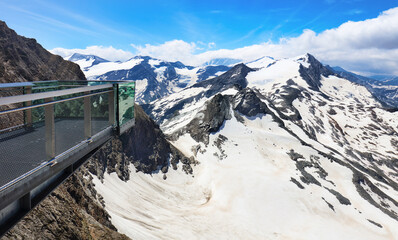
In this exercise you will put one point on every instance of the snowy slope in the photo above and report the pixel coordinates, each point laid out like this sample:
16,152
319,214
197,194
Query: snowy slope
287,150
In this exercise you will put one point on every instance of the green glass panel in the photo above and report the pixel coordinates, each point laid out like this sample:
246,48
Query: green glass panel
126,102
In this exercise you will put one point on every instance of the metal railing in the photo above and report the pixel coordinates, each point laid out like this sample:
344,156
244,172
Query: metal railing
54,117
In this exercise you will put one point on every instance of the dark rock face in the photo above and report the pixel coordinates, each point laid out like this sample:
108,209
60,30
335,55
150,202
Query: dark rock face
343,200
235,76
285,107
23,59
247,103
210,71
146,144
210,119
312,74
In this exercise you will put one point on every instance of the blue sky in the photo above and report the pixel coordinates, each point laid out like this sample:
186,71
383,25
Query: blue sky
229,24
359,35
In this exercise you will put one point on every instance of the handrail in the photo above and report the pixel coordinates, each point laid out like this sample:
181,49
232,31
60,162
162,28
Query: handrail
28,84
52,102
44,95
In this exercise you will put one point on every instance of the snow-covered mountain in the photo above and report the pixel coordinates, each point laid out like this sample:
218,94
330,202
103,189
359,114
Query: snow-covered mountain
287,150
154,78
385,91
85,61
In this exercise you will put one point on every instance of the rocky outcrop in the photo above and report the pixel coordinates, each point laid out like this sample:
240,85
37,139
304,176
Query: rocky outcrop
210,119
249,104
236,76
23,59
312,74
144,146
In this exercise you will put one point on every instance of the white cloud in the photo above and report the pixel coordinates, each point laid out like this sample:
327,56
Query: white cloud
175,50
366,47
110,53
369,46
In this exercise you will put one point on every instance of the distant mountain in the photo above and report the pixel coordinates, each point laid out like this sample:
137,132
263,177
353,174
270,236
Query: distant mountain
382,78
154,78
392,81
261,62
86,61
385,91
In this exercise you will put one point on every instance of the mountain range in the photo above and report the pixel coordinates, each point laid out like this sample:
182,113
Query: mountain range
157,78
154,78
273,138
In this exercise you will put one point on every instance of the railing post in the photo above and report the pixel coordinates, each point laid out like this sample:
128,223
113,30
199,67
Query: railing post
111,102
28,113
50,129
87,116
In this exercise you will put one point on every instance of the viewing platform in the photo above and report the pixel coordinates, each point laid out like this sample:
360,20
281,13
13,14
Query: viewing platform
48,129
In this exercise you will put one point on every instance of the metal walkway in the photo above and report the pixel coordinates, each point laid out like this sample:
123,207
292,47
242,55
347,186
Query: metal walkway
48,129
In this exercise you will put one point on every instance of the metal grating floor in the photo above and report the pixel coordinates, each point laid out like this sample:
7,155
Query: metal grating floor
22,150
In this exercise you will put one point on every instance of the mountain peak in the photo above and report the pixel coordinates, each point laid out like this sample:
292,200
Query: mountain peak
235,77
311,71
78,56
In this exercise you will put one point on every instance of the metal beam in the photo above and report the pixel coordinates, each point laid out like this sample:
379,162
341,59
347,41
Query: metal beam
111,108
50,129
87,117
28,112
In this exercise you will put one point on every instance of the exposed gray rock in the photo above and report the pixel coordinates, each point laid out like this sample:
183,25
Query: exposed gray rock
235,76
312,74
294,156
209,120
375,223
247,103
293,180
329,204
343,200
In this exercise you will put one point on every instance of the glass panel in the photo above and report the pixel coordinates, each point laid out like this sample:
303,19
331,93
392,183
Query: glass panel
126,102
69,124
99,113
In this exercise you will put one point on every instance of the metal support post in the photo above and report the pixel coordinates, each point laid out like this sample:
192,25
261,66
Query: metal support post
87,116
28,113
50,129
111,102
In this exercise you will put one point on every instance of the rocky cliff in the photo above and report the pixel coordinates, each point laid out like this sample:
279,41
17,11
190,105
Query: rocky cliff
23,59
